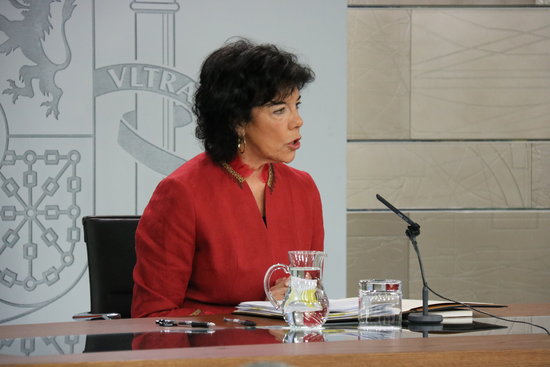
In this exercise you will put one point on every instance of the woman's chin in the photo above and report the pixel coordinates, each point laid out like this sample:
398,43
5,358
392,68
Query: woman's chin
289,159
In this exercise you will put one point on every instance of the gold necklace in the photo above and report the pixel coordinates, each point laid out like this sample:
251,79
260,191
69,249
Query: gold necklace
241,179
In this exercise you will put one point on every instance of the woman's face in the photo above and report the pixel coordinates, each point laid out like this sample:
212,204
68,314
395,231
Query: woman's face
273,133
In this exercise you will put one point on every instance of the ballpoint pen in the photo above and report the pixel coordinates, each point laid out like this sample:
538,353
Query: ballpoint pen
239,321
164,322
184,330
197,324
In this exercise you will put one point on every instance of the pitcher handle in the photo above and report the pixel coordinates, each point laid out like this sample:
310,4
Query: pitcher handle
267,279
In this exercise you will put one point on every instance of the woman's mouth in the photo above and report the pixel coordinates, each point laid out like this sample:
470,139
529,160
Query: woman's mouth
295,144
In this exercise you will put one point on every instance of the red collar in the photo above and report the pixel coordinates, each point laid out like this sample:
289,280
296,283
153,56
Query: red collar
240,171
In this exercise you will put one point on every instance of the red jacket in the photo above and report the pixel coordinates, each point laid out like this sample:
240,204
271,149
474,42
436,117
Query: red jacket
202,246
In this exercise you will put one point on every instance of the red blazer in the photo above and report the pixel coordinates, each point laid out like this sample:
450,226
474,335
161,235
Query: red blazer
202,246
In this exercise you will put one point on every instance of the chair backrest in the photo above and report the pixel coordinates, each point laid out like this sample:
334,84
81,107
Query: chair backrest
110,243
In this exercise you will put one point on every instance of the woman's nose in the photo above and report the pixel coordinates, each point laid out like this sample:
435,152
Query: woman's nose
297,120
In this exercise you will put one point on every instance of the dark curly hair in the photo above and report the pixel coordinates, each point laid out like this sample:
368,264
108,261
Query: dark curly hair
234,79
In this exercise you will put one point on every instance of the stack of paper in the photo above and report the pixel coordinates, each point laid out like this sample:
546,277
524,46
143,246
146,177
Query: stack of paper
346,309
453,313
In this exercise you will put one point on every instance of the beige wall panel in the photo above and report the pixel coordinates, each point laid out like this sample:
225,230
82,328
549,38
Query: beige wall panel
484,256
541,175
378,73
443,2
487,257
440,174
377,248
480,73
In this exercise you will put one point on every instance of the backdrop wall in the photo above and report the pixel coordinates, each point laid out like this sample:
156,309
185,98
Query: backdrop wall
449,120
95,110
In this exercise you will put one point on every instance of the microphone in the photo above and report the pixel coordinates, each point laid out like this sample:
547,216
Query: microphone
398,212
413,230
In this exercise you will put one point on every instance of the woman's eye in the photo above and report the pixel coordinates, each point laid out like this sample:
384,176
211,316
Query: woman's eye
279,111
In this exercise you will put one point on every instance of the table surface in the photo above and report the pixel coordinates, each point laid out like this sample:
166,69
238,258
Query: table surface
515,345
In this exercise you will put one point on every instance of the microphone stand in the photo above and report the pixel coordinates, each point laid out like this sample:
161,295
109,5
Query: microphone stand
413,230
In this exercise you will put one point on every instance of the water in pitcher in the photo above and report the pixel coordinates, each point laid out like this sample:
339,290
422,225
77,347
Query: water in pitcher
306,305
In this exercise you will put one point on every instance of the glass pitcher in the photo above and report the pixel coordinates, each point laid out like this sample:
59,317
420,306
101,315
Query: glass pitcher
305,304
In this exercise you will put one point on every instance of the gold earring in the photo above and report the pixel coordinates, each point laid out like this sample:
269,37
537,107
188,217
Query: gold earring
241,144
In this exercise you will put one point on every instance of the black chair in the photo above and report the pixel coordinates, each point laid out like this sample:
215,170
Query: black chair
110,243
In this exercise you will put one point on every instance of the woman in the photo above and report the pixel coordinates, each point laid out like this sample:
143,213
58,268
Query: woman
214,226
